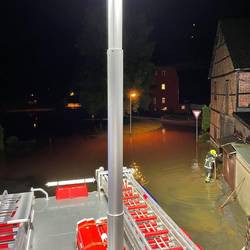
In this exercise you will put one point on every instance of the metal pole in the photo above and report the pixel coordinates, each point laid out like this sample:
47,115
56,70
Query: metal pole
130,111
115,125
196,131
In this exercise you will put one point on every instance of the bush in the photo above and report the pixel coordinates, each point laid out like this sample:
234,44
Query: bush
205,118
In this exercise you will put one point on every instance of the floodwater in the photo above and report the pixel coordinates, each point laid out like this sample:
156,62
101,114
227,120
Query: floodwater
166,158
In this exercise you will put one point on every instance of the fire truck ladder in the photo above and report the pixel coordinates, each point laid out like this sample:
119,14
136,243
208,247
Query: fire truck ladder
16,215
146,225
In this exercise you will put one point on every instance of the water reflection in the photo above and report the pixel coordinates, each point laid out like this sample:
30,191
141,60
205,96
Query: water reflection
165,158
164,139
173,165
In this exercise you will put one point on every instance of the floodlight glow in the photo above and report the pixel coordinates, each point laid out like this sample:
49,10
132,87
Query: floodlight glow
69,182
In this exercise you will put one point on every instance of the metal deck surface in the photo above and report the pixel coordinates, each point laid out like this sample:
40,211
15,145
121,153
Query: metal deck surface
55,221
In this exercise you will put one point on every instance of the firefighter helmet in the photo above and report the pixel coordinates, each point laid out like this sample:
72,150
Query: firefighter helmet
213,152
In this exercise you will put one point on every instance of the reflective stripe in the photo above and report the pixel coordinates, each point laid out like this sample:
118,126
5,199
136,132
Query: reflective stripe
209,161
208,167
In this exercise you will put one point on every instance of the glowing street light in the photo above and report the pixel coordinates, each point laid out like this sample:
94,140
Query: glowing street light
131,96
72,93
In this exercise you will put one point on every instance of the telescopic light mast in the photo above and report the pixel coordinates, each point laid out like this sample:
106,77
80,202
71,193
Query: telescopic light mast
115,125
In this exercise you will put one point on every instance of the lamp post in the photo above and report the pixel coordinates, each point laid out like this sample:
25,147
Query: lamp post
131,95
196,114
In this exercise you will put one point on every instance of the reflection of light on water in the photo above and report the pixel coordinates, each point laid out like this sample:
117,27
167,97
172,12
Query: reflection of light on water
195,165
163,131
131,140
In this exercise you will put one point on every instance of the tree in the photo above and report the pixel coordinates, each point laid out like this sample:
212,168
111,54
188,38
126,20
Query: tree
92,44
205,118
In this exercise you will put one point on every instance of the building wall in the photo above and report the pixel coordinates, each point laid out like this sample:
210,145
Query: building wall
242,130
243,194
223,104
230,92
170,94
224,81
222,63
244,91
228,170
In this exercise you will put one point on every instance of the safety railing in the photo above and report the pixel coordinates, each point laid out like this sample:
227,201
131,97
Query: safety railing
147,226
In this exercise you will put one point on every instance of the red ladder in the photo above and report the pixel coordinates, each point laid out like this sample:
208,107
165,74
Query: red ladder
153,230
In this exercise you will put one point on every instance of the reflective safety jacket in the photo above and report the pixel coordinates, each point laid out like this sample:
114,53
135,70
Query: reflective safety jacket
210,160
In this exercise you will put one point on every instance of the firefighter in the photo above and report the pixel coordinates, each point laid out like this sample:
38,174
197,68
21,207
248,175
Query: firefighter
209,164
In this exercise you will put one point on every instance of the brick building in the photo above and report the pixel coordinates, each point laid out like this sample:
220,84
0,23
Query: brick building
165,90
230,80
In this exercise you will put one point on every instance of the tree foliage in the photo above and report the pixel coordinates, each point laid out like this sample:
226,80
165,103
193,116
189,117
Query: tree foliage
205,118
92,44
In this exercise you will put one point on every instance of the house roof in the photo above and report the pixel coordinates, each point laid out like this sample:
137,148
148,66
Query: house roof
229,149
243,150
229,139
243,117
236,32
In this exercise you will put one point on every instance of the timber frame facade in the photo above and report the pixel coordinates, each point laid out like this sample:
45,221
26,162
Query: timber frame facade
230,88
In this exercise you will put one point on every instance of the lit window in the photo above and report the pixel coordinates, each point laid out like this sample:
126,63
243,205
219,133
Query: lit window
163,86
183,107
163,100
73,105
163,72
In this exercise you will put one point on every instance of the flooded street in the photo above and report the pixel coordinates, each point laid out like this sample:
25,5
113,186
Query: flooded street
166,158
166,161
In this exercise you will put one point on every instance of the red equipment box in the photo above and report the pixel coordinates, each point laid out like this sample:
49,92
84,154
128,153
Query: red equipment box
71,191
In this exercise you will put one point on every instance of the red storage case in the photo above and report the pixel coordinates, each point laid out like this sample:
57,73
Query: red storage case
71,191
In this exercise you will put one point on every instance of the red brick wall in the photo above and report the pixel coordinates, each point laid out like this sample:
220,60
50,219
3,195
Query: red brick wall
242,130
229,162
244,89
169,77
223,90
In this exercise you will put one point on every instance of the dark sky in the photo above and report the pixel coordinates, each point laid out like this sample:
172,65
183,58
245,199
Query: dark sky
38,41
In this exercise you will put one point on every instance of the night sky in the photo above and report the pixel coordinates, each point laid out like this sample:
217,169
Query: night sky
38,39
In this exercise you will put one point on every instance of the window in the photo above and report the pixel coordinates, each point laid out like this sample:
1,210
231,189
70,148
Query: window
163,73
163,86
163,99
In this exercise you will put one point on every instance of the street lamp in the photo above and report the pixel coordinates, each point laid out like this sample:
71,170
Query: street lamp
131,95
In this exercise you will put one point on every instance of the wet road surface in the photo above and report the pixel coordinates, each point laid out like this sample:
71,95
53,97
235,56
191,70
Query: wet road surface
166,159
